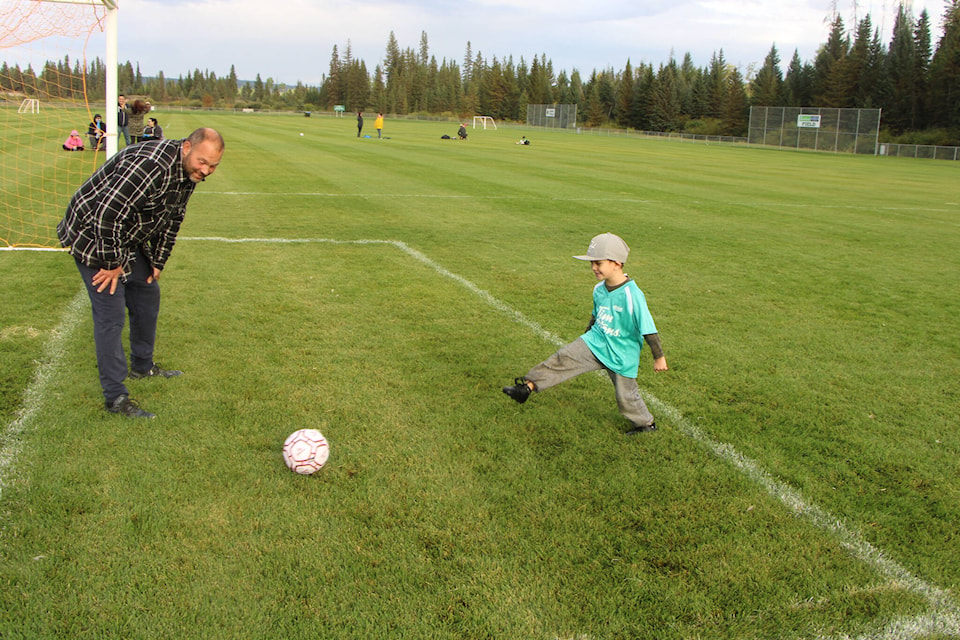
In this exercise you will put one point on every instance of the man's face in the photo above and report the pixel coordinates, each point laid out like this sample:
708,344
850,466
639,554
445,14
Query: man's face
200,160
122,100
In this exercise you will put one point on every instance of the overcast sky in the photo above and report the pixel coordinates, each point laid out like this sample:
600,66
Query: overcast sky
292,40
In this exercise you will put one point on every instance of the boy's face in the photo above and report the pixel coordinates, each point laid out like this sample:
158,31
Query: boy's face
607,270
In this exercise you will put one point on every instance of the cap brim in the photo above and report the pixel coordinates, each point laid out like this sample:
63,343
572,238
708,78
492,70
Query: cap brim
587,258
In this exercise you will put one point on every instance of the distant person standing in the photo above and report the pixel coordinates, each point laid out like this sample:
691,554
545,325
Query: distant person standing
378,124
140,108
123,118
120,227
359,122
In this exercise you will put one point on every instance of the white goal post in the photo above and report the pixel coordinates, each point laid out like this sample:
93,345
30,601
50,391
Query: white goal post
484,121
29,105
110,28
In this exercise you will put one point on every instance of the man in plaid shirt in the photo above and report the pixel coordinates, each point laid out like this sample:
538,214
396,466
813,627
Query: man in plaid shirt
121,226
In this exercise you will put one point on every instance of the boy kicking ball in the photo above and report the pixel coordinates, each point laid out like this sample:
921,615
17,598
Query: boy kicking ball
612,341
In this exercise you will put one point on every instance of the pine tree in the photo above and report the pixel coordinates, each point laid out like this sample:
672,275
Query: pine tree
466,72
860,65
798,83
831,84
945,74
689,78
334,82
699,96
736,106
594,107
717,85
900,111
923,54
625,90
767,86
665,100
258,90
644,97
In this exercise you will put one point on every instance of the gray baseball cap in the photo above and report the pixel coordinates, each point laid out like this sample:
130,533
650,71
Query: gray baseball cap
606,246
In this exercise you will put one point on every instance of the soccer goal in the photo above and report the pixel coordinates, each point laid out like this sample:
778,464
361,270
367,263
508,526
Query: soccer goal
484,122
52,54
29,105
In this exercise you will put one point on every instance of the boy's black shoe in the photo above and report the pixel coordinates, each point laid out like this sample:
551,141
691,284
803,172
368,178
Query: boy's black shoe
155,372
520,391
635,430
127,407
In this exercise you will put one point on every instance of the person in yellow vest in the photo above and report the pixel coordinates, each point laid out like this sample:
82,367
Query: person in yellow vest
378,124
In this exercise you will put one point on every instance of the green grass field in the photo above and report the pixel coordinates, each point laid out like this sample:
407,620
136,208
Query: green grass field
804,483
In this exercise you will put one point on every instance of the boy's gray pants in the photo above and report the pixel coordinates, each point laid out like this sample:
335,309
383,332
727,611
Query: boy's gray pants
576,358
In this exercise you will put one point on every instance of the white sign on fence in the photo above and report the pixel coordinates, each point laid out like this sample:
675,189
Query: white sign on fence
808,121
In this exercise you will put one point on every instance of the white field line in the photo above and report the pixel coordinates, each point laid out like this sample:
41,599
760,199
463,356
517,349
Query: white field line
942,618
39,390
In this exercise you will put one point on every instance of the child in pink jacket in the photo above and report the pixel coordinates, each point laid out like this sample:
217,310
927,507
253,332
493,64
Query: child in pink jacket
73,142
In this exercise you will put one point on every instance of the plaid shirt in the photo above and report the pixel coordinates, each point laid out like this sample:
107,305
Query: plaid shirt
137,199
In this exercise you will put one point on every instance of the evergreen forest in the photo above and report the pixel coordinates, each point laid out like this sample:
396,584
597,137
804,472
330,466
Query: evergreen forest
912,78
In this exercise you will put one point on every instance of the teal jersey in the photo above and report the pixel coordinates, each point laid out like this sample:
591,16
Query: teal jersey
622,319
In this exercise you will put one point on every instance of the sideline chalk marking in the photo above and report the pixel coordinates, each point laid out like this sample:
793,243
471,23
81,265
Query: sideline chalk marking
38,391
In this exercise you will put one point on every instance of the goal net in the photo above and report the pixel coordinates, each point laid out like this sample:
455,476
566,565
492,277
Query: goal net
485,121
49,86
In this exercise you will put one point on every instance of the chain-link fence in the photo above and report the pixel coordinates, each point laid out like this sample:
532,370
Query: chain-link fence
821,129
928,151
554,116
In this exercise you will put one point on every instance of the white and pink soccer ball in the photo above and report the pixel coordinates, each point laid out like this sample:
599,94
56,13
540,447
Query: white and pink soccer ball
306,451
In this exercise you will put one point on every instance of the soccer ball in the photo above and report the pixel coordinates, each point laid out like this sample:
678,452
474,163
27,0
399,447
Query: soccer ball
306,451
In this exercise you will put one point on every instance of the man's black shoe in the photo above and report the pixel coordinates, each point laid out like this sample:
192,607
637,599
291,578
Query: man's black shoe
127,407
635,430
519,392
156,371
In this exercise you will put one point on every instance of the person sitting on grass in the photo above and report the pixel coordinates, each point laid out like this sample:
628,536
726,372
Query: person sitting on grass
73,142
462,132
612,341
523,140
97,132
152,131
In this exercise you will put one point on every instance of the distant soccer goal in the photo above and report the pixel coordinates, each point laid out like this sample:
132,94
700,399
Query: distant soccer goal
484,121
29,105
